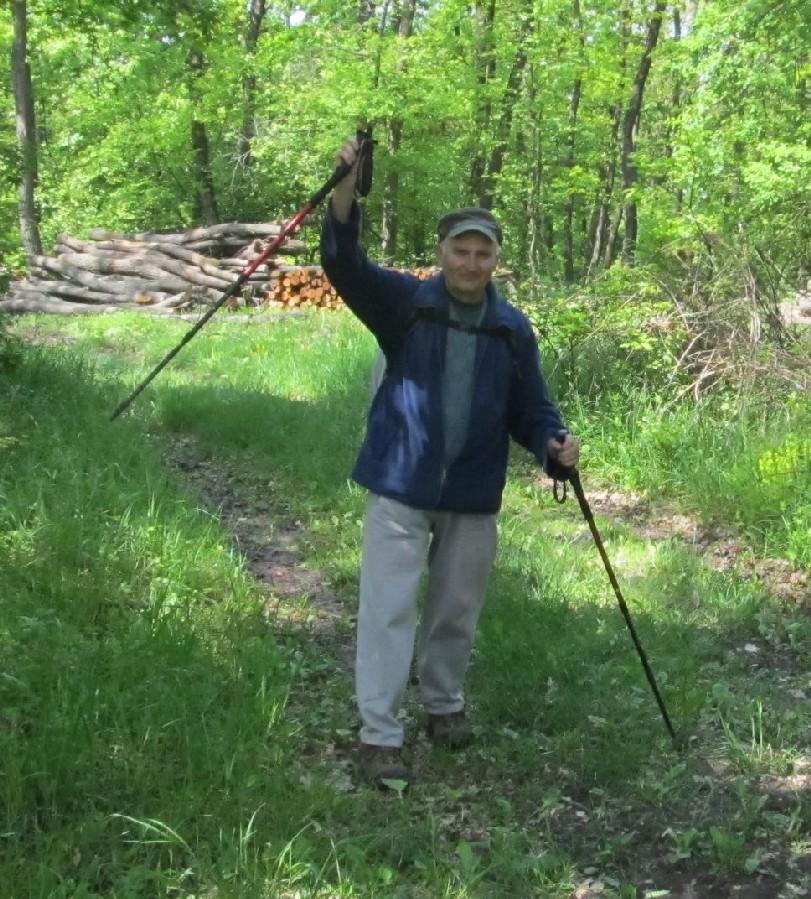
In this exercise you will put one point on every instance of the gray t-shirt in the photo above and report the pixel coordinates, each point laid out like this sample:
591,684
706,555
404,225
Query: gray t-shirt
457,383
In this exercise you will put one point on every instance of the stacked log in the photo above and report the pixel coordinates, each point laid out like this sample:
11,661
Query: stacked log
306,286
301,286
156,271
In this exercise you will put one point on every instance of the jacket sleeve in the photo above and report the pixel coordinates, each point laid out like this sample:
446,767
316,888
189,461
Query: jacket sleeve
381,298
534,417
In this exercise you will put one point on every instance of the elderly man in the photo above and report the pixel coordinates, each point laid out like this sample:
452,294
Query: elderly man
462,376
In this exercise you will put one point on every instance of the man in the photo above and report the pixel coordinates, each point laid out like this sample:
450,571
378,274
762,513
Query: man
462,376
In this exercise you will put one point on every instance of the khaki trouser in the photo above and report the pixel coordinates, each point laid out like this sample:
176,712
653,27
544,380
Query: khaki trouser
398,541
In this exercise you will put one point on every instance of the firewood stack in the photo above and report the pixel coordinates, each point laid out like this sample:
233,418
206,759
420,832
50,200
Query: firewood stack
301,286
152,271
167,273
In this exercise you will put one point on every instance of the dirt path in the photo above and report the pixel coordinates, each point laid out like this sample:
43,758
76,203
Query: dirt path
719,547
269,540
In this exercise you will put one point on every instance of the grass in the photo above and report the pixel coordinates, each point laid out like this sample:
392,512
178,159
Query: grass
744,462
164,734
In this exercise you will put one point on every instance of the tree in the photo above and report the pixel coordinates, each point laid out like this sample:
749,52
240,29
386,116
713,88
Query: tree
26,130
570,144
403,26
256,14
153,116
630,126
205,204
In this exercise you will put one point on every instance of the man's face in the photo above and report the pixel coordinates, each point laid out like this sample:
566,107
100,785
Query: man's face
468,262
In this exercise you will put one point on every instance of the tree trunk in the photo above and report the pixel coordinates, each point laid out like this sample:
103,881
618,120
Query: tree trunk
495,164
404,12
569,158
366,9
604,250
23,305
26,131
675,103
389,224
205,202
630,126
225,230
540,233
598,243
256,13
153,266
404,26
486,69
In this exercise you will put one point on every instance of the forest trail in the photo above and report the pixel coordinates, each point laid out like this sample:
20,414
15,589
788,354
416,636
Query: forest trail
719,546
269,540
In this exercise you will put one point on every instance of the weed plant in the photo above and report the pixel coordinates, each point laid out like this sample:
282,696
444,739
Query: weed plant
165,732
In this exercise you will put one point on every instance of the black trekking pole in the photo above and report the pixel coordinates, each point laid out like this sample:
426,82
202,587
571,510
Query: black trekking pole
341,171
572,476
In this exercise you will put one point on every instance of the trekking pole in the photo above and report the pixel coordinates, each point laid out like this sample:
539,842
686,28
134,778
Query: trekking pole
572,476
341,171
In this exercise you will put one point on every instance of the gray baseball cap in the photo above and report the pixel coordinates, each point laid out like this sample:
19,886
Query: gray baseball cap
471,218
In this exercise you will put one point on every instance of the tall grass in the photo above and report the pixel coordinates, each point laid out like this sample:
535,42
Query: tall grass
135,665
744,462
739,453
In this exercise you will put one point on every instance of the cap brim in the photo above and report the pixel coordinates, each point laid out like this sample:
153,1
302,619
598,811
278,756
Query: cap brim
479,227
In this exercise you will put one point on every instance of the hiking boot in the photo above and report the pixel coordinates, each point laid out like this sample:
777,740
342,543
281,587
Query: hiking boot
451,730
384,767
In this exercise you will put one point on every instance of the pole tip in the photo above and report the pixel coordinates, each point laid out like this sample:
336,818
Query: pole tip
680,743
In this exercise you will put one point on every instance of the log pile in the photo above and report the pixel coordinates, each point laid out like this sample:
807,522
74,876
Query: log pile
306,286
165,273
301,286
155,271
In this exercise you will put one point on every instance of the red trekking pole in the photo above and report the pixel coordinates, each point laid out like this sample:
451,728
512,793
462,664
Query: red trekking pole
341,171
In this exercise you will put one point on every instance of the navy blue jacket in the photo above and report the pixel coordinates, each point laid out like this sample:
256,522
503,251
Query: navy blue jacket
402,453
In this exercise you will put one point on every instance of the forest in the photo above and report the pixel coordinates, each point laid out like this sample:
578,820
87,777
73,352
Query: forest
178,587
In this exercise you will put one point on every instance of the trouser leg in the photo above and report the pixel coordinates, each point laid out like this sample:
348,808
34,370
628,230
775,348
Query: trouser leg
395,547
461,556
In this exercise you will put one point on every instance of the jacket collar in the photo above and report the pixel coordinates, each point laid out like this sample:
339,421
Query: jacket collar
433,293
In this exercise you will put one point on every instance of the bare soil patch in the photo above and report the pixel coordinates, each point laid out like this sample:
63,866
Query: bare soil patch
719,545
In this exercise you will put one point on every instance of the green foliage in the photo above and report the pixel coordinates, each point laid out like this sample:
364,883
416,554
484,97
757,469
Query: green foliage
790,459
617,335
722,151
